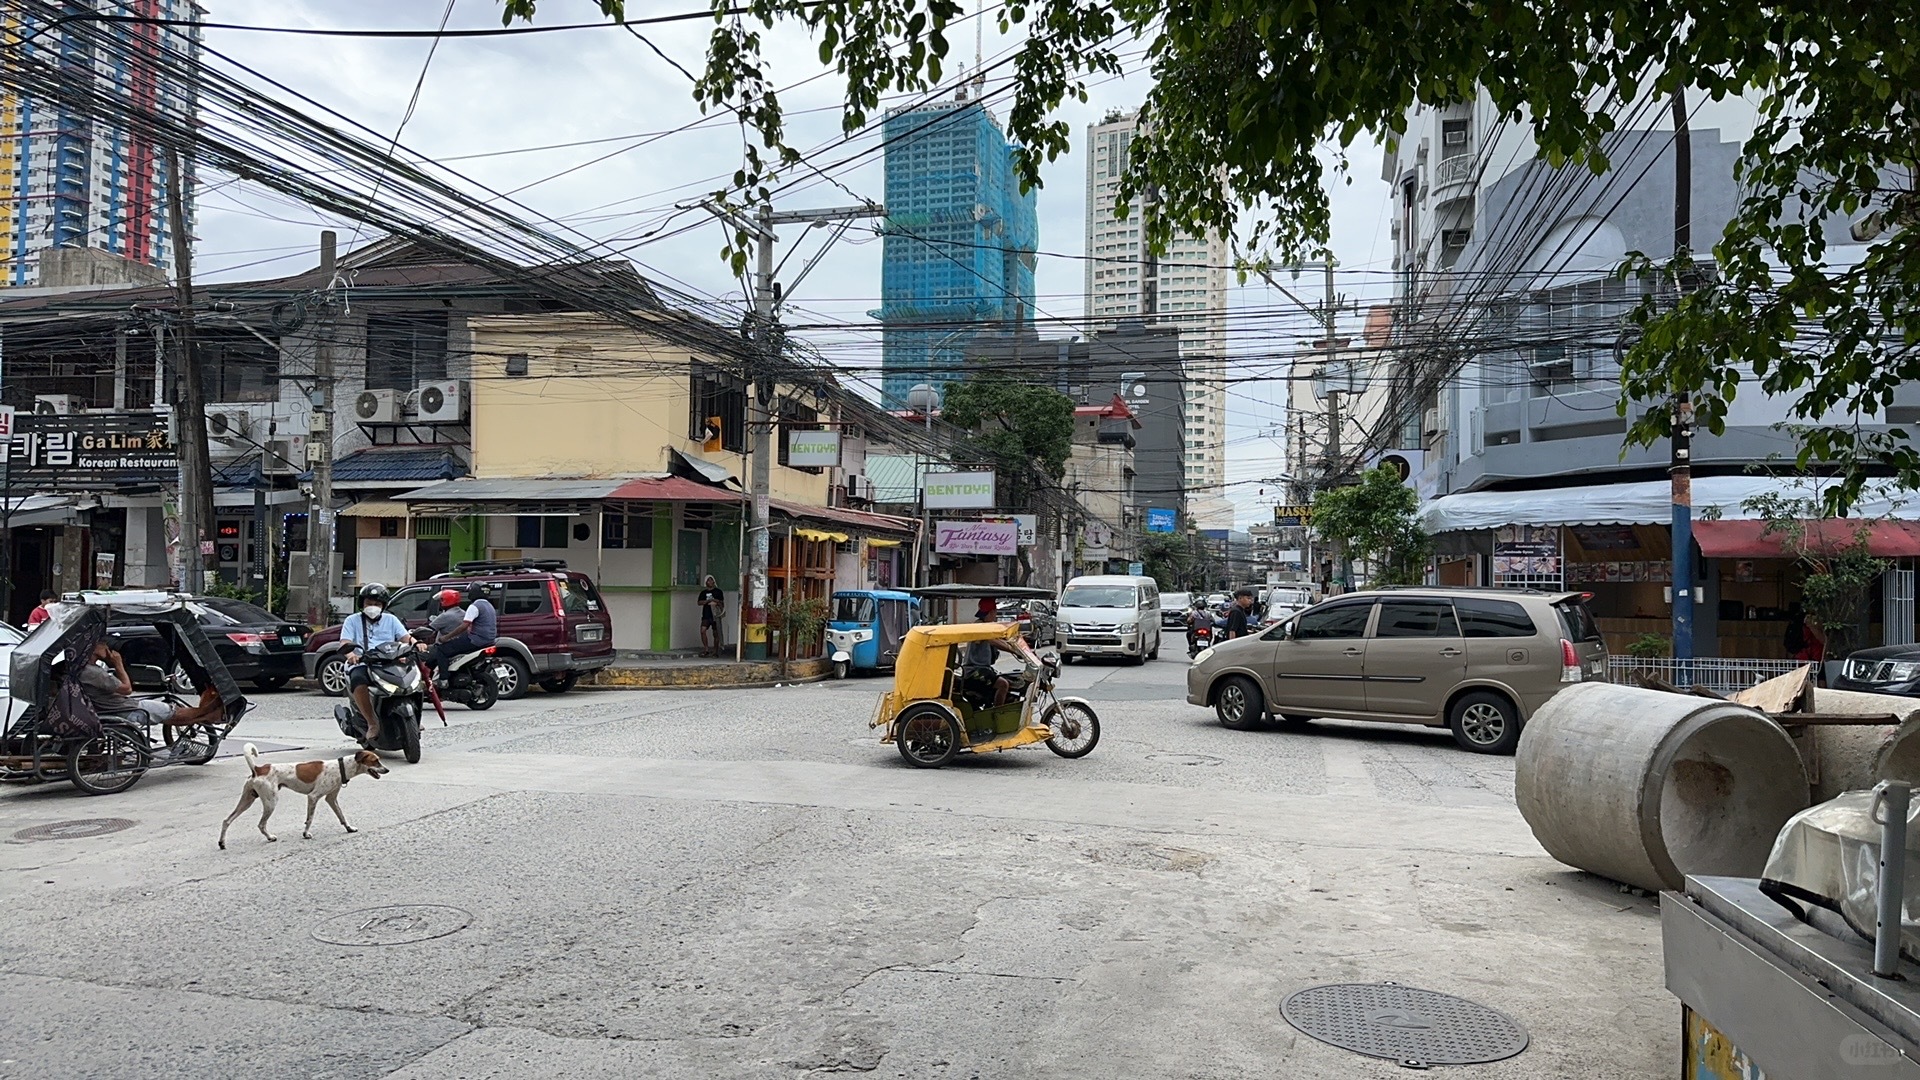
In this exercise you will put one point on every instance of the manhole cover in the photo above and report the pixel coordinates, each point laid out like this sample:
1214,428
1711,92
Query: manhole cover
78,829
1188,759
395,925
1414,1027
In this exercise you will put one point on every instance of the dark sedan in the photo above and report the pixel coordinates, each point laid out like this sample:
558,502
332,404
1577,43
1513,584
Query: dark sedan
1888,669
256,645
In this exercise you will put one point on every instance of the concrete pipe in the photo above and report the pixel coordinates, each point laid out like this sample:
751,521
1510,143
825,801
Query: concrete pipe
1843,757
1645,787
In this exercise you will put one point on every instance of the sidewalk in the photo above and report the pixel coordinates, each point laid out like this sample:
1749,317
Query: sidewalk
633,669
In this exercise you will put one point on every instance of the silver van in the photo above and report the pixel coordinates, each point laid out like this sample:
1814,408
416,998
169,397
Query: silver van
1110,615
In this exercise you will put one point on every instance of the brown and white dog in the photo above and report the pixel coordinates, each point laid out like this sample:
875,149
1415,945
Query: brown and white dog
315,779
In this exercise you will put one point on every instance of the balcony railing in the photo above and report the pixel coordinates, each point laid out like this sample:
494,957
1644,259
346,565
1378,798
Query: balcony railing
1459,169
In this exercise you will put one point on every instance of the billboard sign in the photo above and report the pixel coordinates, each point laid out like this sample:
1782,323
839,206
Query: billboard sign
1029,525
959,491
1292,517
976,538
1160,521
813,449
81,451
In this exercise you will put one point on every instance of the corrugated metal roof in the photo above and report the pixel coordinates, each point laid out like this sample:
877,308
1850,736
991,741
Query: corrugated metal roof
838,515
397,465
895,477
515,489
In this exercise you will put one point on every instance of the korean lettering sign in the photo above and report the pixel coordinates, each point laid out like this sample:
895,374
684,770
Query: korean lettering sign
88,450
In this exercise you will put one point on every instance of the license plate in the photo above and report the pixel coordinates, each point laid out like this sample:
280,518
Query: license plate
590,633
291,639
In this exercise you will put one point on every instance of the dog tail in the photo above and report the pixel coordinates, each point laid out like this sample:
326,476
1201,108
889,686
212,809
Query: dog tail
253,758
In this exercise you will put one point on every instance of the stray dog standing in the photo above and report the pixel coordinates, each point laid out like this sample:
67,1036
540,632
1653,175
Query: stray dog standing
315,779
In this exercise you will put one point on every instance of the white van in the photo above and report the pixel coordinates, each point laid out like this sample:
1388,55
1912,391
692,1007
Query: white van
1110,615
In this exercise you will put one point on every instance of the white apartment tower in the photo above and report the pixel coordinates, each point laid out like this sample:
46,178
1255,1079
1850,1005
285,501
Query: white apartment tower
1186,287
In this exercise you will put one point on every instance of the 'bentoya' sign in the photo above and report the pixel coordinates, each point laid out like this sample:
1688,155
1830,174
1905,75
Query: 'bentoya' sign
813,449
959,491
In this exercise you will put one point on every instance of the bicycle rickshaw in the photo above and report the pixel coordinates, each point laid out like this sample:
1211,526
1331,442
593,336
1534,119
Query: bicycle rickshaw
936,712
48,737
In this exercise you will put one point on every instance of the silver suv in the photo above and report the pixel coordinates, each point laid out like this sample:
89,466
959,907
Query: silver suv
1479,661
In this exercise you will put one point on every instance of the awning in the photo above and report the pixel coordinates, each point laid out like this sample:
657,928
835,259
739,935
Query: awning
672,489
376,509
857,520
1750,540
28,511
817,535
699,467
1648,503
871,542
395,466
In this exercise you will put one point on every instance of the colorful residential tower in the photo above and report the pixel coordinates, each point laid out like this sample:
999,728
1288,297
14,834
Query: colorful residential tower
70,181
960,240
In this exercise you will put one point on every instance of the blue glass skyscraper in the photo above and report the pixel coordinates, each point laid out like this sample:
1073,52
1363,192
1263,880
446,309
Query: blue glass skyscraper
959,242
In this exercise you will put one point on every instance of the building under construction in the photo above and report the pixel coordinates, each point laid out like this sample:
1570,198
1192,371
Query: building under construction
960,242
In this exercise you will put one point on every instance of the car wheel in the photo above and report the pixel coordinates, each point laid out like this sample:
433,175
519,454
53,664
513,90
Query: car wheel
511,675
270,682
1155,654
1485,723
331,674
927,735
1239,703
559,684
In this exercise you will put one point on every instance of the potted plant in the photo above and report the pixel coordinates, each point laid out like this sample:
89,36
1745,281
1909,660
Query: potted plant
799,619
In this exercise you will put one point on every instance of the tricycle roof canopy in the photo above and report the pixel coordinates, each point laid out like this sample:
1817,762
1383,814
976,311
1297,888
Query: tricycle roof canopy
982,592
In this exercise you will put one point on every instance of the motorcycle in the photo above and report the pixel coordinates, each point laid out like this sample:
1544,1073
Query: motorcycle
470,680
1199,639
398,688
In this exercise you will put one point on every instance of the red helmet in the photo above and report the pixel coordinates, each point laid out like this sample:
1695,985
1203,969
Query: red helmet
449,597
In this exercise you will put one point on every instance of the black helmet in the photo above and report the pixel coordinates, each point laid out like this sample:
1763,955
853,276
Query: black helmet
372,593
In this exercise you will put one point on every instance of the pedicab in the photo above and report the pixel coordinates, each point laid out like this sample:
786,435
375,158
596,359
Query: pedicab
941,706
866,628
52,734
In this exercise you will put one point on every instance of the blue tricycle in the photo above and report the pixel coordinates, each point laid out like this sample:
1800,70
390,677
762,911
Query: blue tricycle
866,627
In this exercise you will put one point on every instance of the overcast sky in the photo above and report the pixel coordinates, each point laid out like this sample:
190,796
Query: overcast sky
485,104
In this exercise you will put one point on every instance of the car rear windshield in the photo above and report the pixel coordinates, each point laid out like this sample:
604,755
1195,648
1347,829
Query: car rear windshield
1096,596
1577,621
576,594
1482,618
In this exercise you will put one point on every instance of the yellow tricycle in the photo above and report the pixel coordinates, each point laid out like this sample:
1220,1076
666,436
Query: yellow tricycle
945,701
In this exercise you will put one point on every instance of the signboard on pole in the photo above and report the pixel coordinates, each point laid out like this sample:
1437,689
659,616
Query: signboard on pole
959,491
1029,526
6,421
813,449
1136,569
976,538
1160,521
1292,517
87,450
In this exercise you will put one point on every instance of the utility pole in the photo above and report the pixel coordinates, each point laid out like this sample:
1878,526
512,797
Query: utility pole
1681,470
196,469
320,451
1330,318
765,369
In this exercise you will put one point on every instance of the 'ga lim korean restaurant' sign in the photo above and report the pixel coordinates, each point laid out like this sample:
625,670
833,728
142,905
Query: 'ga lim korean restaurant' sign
976,538
87,450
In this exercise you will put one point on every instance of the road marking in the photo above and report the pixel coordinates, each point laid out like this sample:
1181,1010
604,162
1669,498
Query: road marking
1347,773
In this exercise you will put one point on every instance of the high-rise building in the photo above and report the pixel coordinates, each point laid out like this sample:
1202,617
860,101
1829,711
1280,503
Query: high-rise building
70,182
1186,287
960,239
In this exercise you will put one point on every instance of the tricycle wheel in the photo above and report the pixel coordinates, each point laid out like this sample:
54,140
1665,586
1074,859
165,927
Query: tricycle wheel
1076,730
839,669
194,745
410,740
109,764
928,736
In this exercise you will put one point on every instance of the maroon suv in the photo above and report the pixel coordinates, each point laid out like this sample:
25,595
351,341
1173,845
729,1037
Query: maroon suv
553,625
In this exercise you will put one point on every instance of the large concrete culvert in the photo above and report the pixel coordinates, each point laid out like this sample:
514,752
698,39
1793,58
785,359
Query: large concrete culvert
1645,787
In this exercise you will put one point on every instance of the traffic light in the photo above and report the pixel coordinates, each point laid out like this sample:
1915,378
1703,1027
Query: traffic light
710,439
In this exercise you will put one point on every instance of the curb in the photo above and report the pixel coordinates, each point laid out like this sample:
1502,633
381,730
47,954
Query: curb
739,676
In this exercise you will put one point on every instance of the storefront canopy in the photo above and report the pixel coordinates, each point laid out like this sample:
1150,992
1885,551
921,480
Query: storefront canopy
842,519
1750,539
29,510
1649,503
555,496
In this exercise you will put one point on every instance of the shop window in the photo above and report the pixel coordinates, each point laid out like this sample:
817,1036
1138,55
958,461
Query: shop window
540,532
689,556
405,350
712,392
627,531
389,526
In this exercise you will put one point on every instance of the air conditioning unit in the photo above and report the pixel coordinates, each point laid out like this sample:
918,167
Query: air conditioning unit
1454,137
377,407
1455,238
284,457
227,425
443,402
57,404
1430,423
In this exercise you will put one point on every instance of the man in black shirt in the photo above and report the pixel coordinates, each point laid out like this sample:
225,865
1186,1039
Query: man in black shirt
1237,613
713,608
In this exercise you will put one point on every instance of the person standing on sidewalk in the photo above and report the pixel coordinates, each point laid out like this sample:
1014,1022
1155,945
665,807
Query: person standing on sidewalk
713,610
1237,613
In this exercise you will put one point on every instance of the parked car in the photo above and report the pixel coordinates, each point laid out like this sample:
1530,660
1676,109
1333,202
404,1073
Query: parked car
1478,661
553,625
1174,609
1281,601
1887,669
1039,620
256,645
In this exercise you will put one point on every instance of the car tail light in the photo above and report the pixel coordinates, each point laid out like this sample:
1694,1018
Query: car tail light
1569,662
247,640
553,594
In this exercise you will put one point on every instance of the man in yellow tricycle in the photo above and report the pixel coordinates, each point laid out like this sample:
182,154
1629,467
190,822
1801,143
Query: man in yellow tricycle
947,698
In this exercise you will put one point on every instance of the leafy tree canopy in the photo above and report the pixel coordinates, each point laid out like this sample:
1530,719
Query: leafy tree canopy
1022,428
1375,520
1246,91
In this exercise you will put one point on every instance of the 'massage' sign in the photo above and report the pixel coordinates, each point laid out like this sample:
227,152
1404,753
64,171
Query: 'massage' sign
959,491
976,538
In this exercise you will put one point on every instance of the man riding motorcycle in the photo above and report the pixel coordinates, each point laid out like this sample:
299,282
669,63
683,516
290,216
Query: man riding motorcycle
371,626
477,627
1200,616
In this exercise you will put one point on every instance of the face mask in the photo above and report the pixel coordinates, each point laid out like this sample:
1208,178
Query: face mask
372,611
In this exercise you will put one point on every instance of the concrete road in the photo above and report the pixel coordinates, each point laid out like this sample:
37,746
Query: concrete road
746,883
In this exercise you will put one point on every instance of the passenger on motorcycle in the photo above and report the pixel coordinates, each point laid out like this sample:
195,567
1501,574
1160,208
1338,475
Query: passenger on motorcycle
372,625
1200,616
477,628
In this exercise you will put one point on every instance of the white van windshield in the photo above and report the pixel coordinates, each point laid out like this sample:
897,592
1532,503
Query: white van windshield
1091,596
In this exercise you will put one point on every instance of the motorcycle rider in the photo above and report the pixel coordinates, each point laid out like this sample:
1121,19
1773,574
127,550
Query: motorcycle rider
372,625
1200,616
477,628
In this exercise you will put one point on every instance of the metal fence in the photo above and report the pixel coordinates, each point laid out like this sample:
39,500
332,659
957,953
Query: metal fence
1724,674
